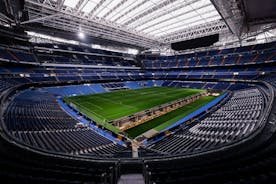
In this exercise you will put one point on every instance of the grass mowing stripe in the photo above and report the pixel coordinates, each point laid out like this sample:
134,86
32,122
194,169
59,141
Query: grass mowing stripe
185,111
114,105
99,120
168,119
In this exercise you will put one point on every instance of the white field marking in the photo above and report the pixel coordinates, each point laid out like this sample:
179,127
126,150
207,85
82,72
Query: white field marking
106,99
156,93
153,92
89,110
112,115
99,107
125,95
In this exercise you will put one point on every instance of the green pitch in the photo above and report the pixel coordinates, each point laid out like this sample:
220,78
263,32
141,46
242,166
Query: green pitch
105,107
168,119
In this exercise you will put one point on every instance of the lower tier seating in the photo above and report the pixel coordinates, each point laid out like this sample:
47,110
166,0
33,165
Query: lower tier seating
36,119
235,120
252,161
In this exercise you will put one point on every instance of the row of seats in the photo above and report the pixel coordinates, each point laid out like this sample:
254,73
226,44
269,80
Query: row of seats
36,111
83,141
5,84
16,55
35,118
126,76
251,161
76,90
63,54
95,88
18,69
112,86
73,54
41,70
85,59
235,120
68,54
78,48
235,56
84,89
206,85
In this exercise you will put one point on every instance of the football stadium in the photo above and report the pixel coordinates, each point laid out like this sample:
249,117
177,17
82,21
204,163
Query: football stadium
138,91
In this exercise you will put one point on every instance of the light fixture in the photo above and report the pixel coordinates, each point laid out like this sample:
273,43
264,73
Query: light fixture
81,35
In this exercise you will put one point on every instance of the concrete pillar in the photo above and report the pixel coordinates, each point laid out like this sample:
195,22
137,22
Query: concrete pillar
135,147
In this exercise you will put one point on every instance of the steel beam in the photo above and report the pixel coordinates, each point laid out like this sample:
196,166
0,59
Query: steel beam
196,31
41,18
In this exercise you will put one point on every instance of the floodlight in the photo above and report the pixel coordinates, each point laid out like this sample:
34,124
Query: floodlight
81,35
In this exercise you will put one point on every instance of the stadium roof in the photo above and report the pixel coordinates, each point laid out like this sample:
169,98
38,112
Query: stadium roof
152,17
143,22
146,23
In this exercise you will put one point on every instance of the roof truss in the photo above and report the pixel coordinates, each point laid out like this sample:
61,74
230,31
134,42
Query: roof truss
145,23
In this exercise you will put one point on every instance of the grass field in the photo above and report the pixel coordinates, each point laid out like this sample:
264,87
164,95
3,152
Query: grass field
105,107
168,119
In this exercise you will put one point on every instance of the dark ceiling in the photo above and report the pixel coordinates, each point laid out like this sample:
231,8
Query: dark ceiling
260,11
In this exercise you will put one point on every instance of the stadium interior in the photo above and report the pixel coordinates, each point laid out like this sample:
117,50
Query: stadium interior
138,91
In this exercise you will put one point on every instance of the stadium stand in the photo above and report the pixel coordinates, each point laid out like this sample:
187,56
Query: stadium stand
82,55
45,139
42,132
53,129
256,54
231,122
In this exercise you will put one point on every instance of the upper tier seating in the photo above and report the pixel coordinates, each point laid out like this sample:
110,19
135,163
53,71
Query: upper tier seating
16,55
235,56
235,120
82,55
60,74
206,85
